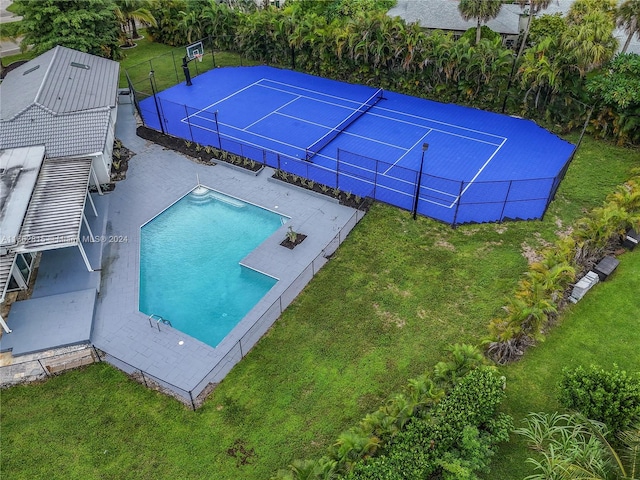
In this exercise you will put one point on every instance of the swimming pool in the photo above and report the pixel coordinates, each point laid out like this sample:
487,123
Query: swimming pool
189,263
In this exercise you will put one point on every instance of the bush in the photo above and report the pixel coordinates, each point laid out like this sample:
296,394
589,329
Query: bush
608,396
456,439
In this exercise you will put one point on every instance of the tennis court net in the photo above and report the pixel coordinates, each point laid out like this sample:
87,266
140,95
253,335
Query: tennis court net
322,142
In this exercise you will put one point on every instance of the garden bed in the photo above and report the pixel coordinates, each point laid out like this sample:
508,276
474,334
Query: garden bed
344,198
205,154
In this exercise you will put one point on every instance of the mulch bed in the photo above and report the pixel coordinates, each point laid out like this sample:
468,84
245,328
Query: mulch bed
204,154
345,198
292,244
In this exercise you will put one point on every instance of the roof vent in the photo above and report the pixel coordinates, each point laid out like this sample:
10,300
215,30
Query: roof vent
26,72
80,65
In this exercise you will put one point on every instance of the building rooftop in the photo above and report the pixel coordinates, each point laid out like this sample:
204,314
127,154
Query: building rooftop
19,169
444,15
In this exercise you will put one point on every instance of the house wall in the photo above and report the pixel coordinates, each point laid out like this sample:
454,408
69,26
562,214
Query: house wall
102,163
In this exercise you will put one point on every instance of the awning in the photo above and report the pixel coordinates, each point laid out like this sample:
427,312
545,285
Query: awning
56,210
6,265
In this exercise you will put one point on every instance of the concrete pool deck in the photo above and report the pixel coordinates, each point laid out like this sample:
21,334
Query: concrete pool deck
156,178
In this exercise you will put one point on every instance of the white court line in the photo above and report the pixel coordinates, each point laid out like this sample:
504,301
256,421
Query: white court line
481,168
251,133
311,98
321,167
405,153
270,113
441,123
221,100
343,133
309,90
431,128
257,83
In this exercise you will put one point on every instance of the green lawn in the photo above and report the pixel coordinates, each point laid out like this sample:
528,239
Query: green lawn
384,309
602,329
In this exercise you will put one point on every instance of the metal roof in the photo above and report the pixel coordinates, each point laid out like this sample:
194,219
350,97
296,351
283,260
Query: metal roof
444,15
61,80
19,169
54,217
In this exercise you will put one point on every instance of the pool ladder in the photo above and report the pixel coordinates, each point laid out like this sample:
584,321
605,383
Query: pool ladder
158,320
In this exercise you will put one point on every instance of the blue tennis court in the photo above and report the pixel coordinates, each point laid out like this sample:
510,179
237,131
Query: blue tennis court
479,166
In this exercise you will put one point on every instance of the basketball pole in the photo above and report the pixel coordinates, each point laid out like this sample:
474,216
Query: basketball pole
185,70
425,146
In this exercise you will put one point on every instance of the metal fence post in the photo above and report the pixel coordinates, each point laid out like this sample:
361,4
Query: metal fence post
143,378
455,215
43,369
506,199
193,404
186,111
95,350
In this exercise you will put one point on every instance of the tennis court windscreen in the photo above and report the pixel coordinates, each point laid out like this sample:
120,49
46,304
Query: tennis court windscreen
322,142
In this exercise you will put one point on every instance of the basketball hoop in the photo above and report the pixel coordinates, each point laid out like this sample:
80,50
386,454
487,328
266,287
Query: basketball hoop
198,56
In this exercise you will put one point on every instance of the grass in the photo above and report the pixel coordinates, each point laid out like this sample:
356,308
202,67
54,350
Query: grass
385,308
395,295
166,62
602,329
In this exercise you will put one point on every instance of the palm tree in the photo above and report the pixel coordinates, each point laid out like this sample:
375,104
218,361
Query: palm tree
628,17
129,12
535,6
481,10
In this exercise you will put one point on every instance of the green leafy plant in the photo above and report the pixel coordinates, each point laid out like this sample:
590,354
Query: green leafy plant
188,143
292,235
608,396
324,188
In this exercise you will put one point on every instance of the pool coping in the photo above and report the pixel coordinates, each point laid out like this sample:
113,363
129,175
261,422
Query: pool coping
157,178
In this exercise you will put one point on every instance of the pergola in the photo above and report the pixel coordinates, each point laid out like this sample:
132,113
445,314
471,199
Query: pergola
43,208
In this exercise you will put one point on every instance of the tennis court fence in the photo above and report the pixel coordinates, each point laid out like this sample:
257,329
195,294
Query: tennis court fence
451,201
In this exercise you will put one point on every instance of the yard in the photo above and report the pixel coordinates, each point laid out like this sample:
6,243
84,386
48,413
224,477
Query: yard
384,309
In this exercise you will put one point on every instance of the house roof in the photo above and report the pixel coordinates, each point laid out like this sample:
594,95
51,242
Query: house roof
19,169
55,212
61,80
444,15
66,135
61,99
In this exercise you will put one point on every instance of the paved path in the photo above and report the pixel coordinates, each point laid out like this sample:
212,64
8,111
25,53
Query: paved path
8,47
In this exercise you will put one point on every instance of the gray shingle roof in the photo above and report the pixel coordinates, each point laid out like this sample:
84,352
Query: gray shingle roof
61,99
66,135
444,15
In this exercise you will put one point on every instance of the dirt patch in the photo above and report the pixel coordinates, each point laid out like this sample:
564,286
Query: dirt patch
241,453
389,318
444,244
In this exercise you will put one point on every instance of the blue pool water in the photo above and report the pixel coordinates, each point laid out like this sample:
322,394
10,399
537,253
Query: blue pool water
189,270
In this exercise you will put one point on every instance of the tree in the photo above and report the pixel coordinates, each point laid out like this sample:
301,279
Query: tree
628,17
128,12
574,447
535,6
481,10
86,25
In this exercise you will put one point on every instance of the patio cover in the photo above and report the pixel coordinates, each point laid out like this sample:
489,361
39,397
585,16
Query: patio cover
56,210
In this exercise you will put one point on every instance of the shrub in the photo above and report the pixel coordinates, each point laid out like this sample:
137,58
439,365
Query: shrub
455,439
608,396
